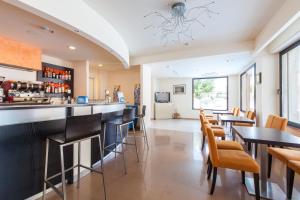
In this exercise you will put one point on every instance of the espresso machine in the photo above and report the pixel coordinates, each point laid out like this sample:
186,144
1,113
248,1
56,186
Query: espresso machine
19,92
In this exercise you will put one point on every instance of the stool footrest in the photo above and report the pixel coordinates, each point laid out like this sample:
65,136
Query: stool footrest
60,194
58,174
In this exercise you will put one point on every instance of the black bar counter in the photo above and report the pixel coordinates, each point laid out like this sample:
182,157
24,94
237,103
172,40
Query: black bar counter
23,129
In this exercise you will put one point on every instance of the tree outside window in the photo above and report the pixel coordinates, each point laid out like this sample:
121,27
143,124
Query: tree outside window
210,93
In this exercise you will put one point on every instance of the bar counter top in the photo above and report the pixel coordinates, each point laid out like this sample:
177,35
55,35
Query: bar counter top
9,106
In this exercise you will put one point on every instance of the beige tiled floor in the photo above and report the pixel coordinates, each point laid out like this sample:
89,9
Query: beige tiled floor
173,169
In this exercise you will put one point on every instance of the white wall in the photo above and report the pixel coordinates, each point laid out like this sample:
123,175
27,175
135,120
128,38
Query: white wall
183,103
146,91
267,99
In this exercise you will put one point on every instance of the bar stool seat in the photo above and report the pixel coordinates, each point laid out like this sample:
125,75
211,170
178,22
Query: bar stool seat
78,129
119,122
143,126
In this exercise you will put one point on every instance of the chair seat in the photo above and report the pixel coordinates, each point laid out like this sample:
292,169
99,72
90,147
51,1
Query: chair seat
60,138
213,121
229,145
209,116
242,124
216,127
238,160
294,165
119,121
284,154
219,132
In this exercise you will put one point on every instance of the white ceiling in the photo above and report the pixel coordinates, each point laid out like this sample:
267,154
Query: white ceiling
220,65
238,21
25,27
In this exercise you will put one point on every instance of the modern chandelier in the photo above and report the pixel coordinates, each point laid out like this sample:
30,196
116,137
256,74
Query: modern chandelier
177,26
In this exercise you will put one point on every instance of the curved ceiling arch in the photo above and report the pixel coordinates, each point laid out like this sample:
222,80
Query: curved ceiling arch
77,15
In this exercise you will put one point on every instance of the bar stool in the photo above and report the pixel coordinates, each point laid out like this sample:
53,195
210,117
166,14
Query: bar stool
143,126
78,129
127,118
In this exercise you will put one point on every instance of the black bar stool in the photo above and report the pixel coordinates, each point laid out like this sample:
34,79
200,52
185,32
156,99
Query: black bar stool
143,126
127,118
78,129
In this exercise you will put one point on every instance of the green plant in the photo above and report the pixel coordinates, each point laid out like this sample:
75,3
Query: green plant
203,87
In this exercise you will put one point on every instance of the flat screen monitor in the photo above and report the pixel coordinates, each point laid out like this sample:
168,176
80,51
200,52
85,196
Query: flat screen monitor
162,97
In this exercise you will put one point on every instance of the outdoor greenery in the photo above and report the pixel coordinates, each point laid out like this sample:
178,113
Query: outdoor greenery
202,87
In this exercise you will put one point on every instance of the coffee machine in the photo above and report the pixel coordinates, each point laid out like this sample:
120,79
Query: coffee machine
19,92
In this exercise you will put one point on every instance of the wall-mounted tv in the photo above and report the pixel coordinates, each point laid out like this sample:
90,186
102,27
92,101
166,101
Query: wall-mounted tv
162,97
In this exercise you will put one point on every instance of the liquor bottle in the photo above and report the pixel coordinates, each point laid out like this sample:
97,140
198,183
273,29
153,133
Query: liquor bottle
52,88
69,78
45,72
57,74
49,73
53,74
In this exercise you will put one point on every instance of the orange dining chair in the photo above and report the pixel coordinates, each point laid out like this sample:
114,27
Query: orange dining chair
292,167
223,144
230,159
249,115
284,155
236,111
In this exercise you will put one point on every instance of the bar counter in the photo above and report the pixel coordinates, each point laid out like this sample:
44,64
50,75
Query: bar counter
23,129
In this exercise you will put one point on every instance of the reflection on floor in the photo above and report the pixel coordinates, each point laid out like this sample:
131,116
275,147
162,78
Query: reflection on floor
173,169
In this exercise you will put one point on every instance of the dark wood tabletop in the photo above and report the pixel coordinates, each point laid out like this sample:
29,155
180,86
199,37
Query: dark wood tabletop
223,112
236,119
267,136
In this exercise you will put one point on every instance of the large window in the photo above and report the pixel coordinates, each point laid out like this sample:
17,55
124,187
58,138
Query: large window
290,84
248,89
210,93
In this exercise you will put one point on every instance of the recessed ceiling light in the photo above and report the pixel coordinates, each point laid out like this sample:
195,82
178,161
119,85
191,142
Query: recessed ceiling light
72,47
100,65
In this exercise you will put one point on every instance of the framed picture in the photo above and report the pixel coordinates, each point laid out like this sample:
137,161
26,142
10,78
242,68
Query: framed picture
179,89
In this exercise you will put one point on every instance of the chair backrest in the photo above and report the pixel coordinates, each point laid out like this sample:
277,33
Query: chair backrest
202,119
236,111
269,121
144,111
279,123
212,144
128,114
250,115
79,127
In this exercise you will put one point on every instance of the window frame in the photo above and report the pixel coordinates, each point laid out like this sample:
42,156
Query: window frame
281,53
241,86
227,92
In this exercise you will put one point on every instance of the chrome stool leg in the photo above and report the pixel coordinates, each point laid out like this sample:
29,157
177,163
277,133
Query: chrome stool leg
102,167
63,179
104,137
78,168
136,149
145,132
123,150
46,169
116,142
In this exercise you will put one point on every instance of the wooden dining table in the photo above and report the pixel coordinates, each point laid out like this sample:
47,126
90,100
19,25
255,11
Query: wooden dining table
222,112
265,137
232,119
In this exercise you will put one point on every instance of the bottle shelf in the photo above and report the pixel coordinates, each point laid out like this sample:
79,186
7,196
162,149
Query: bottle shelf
56,82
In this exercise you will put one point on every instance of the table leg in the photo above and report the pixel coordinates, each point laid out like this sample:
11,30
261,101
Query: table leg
268,190
232,132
